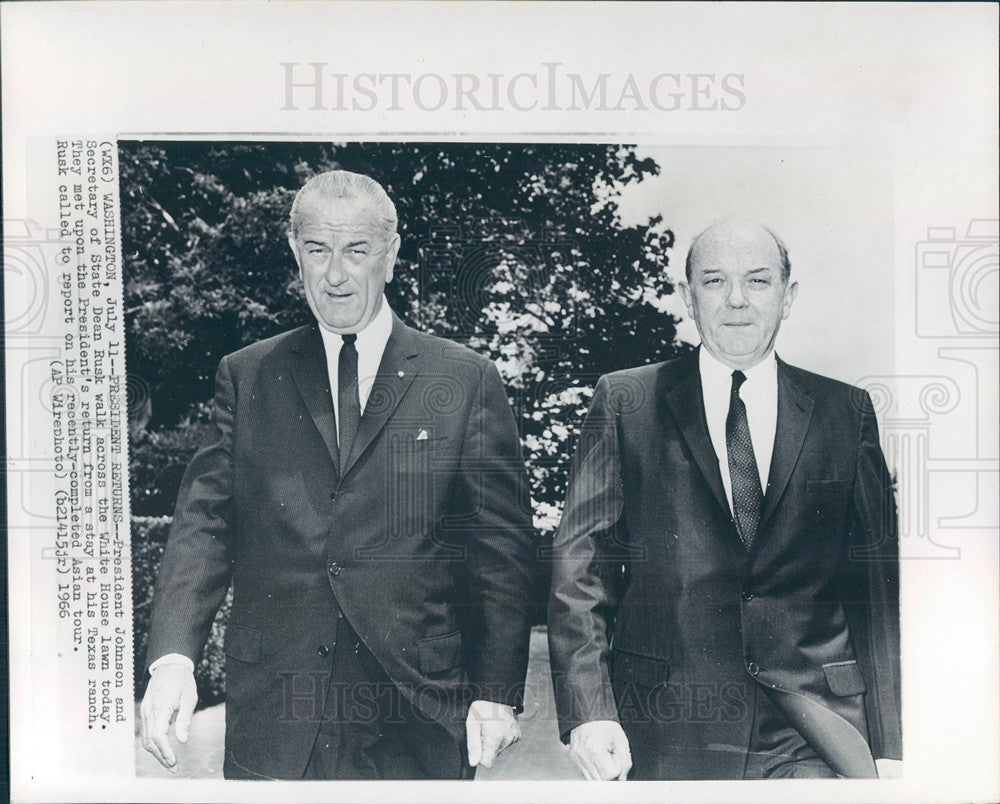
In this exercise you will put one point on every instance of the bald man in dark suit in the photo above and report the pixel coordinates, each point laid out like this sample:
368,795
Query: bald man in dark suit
725,583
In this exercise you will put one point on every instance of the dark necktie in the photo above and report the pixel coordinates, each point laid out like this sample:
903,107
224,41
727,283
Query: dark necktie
747,493
348,399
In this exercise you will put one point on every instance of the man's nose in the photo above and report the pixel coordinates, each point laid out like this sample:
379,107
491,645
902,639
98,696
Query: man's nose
735,297
335,273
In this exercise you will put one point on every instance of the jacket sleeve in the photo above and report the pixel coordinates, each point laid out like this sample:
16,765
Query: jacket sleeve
872,596
196,568
584,593
501,560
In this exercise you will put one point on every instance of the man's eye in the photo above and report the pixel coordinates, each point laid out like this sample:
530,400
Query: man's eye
357,252
713,281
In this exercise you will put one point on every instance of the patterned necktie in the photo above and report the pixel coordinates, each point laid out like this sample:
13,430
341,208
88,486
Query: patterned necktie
348,399
747,493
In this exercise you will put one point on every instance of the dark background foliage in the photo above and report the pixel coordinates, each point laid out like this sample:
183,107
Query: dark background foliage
515,250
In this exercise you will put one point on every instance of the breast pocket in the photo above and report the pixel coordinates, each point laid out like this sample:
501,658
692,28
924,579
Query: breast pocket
409,443
826,486
828,502
409,485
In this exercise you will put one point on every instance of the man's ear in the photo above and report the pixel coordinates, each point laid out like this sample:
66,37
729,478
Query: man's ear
685,294
390,257
790,293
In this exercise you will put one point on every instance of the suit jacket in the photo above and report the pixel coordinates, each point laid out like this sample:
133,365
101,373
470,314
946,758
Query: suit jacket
661,618
424,544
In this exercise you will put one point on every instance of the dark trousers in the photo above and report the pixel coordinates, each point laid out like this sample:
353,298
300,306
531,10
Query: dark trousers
681,732
777,750
371,731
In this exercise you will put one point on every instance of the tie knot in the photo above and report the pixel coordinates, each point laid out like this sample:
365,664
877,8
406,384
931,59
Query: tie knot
349,339
738,379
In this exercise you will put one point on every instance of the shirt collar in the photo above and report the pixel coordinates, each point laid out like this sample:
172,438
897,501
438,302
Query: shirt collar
373,337
717,374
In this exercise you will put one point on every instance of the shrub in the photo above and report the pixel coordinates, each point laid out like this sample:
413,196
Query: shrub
157,460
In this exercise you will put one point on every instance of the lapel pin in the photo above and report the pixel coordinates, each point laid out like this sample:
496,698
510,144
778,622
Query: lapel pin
422,435
400,374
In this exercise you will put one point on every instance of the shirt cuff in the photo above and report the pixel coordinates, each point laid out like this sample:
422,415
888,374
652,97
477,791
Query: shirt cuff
172,658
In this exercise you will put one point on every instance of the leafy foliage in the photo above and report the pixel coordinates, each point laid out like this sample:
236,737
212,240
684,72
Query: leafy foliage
157,460
516,250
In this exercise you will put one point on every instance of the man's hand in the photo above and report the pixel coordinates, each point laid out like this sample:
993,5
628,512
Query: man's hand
889,768
171,689
600,751
489,729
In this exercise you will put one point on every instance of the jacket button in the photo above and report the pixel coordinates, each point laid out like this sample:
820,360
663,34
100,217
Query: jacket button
323,651
333,496
747,595
334,568
753,668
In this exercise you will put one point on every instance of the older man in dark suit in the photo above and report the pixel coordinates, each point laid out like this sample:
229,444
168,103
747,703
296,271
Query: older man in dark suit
725,588
362,488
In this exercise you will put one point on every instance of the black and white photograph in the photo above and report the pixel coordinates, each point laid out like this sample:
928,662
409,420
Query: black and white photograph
548,263
493,418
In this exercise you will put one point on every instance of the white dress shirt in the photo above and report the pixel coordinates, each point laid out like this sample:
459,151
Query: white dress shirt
370,344
760,396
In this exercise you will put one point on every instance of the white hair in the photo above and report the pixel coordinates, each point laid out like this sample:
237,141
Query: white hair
345,184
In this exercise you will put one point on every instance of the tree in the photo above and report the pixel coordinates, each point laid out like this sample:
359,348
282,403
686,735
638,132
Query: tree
516,250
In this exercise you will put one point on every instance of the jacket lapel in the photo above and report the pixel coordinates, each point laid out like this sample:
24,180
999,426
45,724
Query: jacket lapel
795,408
395,374
687,406
310,373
